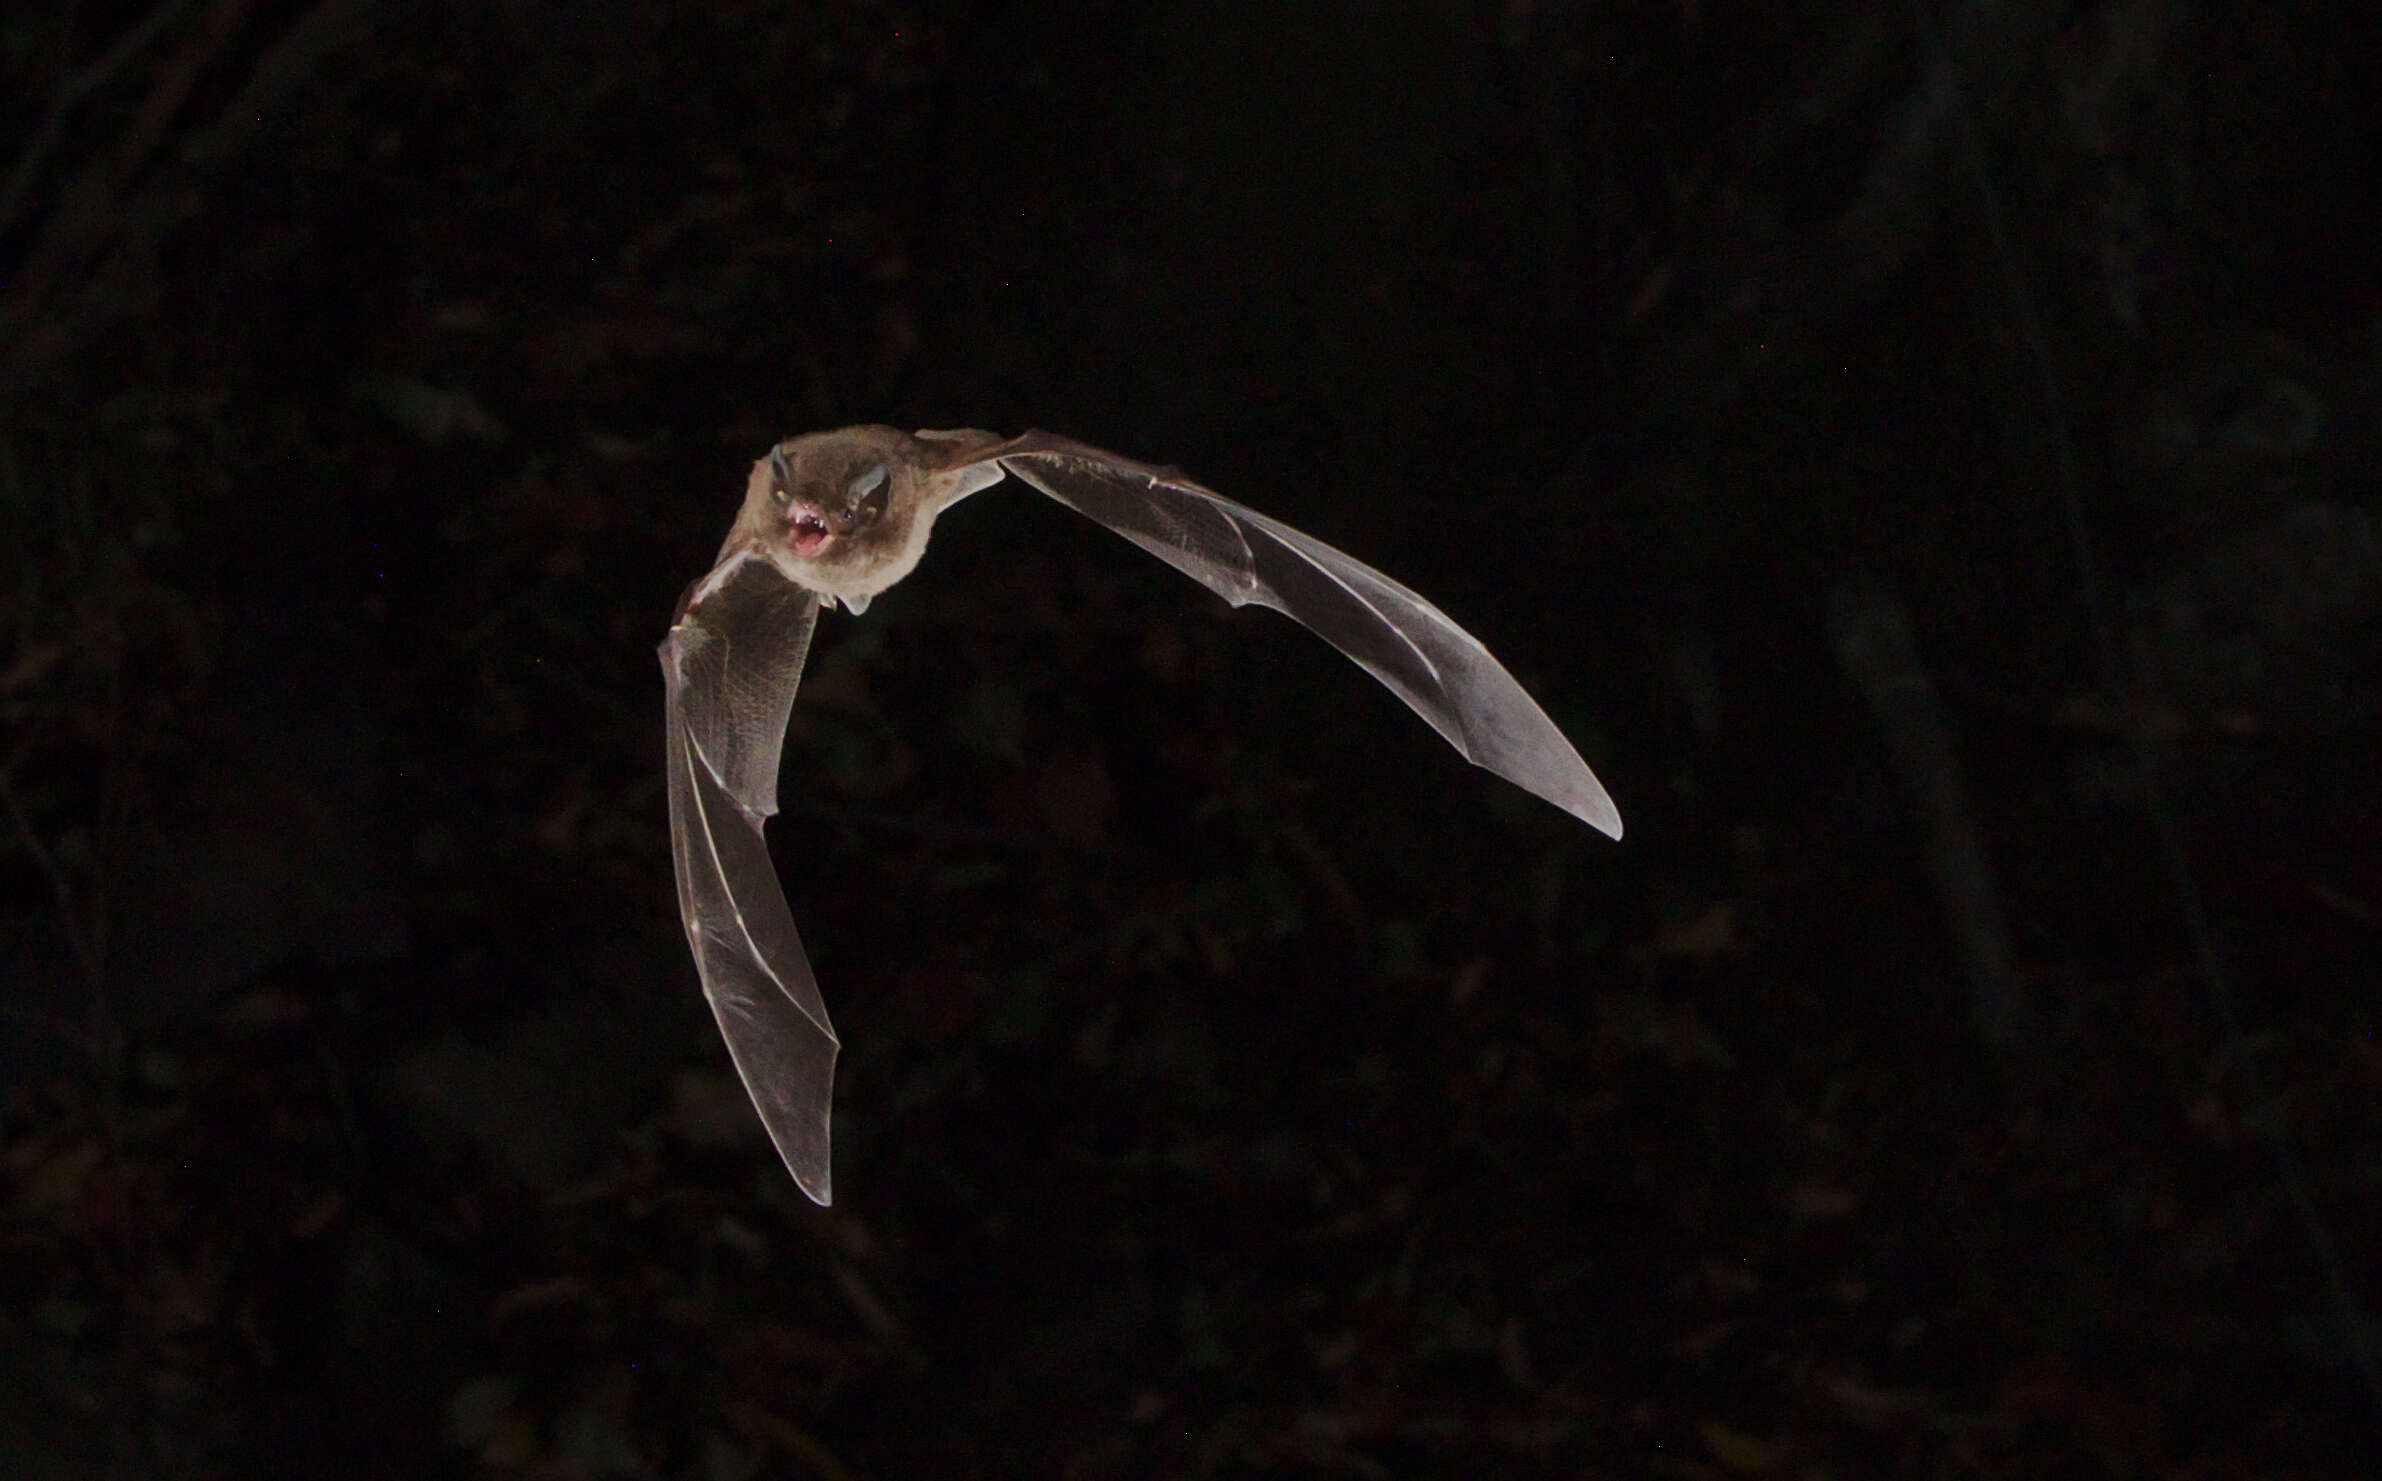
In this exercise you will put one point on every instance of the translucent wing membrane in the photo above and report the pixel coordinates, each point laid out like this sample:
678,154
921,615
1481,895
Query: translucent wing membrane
1439,669
734,659
731,665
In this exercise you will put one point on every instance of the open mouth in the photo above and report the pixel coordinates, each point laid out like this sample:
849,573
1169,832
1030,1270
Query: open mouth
808,533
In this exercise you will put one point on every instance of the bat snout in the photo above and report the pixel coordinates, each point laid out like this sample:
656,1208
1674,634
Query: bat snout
810,528
813,523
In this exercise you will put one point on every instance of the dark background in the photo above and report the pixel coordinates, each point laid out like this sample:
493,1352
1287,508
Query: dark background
1935,474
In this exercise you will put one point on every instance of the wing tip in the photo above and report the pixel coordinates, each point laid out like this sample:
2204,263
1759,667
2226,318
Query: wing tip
811,1166
1593,805
1566,783
819,1187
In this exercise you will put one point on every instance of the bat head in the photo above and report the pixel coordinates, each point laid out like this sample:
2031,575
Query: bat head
845,514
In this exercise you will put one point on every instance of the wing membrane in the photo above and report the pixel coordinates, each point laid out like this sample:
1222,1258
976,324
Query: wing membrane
734,658
1441,671
731,665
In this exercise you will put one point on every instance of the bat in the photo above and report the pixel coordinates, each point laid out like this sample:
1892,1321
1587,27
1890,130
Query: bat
841,516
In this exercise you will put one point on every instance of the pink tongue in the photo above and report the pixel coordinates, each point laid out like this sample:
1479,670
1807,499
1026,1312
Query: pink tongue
808,535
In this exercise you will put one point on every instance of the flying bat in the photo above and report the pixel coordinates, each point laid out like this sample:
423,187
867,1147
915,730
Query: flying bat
839,517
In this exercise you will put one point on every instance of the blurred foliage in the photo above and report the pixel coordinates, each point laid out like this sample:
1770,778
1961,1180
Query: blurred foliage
107,654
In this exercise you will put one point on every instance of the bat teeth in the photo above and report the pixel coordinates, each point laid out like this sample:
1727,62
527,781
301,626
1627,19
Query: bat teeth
808,530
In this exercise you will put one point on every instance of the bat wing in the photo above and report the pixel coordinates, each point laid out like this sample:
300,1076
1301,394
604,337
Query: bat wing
1439,669
731,664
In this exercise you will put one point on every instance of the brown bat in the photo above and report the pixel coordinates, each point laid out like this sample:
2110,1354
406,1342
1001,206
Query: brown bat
841,516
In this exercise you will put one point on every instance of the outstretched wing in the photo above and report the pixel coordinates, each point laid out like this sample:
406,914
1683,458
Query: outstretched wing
731,662
1439,669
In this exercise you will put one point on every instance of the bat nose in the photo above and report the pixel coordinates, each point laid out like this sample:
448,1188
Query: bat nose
838,519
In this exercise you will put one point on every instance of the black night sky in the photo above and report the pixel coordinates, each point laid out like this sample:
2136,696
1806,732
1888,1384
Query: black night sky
1927,455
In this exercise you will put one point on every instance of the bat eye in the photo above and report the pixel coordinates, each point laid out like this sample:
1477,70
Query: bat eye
781,493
